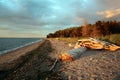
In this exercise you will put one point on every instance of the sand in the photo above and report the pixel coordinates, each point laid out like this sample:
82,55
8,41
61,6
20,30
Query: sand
35,65
91,65
13,55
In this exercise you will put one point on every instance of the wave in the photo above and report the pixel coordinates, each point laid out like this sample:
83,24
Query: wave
21,46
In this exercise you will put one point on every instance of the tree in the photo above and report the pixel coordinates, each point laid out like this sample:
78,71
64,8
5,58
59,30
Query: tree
100,28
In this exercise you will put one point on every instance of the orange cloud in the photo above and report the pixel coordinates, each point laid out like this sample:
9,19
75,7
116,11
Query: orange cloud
109,13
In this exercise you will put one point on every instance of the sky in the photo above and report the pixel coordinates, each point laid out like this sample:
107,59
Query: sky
37,18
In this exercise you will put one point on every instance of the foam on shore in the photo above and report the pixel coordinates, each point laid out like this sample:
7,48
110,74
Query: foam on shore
17,52
27,44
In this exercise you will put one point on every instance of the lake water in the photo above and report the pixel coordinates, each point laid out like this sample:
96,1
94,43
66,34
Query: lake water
10,44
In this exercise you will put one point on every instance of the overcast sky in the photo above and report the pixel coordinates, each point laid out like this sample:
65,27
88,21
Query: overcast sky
37,18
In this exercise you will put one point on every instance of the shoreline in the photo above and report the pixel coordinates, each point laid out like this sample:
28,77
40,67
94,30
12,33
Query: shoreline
15,54
34,59
19,47
36,64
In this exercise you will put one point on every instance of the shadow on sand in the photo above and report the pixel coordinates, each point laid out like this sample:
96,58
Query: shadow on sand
31,66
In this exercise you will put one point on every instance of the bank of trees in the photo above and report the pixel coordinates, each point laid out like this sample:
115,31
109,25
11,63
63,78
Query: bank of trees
100,28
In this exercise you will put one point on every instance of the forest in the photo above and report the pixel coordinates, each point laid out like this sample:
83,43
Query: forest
99,28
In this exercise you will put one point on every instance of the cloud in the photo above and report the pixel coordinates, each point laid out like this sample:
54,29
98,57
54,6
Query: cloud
44,16
29,10
109,13
9,33
112,3
46,12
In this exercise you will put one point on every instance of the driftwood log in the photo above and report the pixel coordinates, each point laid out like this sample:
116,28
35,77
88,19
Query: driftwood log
54,64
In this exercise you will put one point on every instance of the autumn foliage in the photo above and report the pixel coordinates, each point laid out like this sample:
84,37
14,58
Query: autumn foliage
100,28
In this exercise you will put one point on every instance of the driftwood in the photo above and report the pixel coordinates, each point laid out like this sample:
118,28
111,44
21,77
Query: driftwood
53,66
96,44
72,54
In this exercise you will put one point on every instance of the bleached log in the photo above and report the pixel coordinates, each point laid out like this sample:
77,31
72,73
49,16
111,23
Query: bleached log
72,54
77,52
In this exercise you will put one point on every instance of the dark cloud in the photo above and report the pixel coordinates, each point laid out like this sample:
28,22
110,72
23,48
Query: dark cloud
50,15
37,8
30,10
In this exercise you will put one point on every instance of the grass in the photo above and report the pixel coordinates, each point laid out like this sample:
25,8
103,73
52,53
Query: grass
71,39
114,38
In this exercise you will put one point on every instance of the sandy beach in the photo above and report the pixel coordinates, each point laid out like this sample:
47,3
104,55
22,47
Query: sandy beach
34,63
10,56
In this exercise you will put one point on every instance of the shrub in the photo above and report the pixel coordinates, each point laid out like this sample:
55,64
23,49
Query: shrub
115,38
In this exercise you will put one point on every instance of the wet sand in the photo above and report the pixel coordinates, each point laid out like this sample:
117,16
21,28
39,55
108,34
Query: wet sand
13,55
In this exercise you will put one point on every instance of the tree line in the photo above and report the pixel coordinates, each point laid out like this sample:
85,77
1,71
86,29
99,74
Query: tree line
100,28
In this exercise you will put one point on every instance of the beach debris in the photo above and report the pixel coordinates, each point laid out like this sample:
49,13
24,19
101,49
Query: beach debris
82,45
72,54
93,43
71,45
77,45
65,57
112,47
53,66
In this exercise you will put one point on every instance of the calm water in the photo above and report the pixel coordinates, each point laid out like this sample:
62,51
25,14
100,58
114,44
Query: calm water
9,44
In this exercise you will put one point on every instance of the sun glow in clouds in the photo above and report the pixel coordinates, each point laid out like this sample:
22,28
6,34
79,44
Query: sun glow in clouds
109,13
